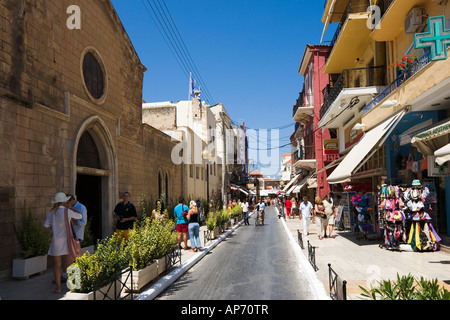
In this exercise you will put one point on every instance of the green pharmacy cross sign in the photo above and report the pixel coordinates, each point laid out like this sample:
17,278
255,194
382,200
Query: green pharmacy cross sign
438,38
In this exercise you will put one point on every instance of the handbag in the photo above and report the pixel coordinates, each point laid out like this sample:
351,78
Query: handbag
423,164
409,163
73,243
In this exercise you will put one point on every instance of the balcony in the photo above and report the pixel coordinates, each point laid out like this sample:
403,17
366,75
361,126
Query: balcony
353,87
351,39
393,14
402,77
304,158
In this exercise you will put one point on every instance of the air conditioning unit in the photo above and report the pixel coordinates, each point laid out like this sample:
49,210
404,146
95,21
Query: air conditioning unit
414,20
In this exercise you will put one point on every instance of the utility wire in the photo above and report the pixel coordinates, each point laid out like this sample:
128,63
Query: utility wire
190,57
168,30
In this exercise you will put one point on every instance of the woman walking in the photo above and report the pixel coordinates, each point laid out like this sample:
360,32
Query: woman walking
319,211
194,227
59,247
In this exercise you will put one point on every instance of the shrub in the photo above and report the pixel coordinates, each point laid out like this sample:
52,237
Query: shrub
407,288
97,270
211,221
34,239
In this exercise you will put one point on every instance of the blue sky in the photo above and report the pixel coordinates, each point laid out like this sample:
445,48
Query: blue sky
247,53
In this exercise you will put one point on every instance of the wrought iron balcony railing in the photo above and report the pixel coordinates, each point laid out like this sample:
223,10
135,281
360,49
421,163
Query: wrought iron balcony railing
353,78
401,78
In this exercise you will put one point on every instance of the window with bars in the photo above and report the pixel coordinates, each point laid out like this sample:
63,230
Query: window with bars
87,154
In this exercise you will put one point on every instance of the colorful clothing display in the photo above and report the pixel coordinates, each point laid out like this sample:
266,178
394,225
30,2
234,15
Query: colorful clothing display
402,209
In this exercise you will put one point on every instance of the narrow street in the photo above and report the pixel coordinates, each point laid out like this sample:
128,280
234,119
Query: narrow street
253,263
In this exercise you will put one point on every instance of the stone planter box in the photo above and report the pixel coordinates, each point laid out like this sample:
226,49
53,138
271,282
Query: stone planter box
162,264
90,295
24,268
142,277
216,232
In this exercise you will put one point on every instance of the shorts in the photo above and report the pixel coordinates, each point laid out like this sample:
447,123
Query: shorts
331,220
182,227
123,234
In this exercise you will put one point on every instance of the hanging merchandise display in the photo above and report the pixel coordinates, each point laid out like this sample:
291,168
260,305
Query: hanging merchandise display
404,217
392,217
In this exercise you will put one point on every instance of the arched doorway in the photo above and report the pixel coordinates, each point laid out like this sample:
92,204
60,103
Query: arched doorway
94,174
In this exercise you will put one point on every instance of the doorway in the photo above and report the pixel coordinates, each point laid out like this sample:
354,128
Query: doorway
89,190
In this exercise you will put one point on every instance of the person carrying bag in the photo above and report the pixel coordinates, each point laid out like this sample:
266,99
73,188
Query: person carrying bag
73,243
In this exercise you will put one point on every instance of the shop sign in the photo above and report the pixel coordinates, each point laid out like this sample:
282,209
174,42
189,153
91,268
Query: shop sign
435,170
330,146
437,38
435,131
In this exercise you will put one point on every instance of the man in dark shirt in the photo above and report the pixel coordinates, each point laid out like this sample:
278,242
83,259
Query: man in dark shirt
125,214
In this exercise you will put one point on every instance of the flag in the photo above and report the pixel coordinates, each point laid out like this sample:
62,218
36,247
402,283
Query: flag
191,88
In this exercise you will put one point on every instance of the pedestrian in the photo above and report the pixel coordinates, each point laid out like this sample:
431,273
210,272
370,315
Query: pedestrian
200,211
319,211
245,207
158,212
288,206
294,208
306,209
180,212
59,248
125,214
194,227
79,224
329,211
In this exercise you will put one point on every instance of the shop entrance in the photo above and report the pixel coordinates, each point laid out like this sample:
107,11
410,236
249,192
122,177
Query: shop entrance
88,191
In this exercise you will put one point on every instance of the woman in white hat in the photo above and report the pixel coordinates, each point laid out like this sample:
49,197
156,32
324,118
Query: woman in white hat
58,247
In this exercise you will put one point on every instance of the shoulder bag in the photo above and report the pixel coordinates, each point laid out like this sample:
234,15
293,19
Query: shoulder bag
72,240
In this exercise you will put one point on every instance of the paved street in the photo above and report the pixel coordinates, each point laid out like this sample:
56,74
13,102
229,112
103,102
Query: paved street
253,263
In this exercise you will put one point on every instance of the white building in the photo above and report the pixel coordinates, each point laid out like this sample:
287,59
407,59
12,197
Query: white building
193,124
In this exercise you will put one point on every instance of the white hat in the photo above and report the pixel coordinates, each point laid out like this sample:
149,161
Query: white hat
193,203
60,197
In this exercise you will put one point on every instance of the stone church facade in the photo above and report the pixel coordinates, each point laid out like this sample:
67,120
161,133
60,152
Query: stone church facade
71,117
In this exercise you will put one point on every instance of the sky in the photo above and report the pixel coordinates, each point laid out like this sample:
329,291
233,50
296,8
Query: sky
244,54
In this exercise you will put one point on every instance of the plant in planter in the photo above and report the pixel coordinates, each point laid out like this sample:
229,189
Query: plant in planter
96,270
211,221
34,241
407,288
150,241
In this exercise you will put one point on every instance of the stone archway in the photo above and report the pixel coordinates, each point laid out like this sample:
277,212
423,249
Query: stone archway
94,173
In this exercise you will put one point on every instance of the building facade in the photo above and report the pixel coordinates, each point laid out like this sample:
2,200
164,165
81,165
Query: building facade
71,118
312,156
396,89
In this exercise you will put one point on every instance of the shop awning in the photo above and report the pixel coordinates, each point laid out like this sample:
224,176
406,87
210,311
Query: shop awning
312,181
432,139
290,183
296,188
442,155
363,150
239,188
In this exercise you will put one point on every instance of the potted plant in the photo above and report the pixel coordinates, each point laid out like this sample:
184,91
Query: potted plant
148,246
95,272
34,241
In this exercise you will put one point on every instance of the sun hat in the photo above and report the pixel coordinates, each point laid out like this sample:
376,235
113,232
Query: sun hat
416,183
60,197
193,203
